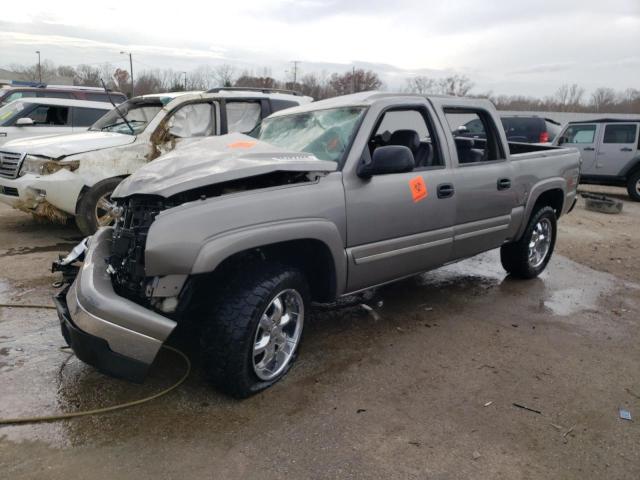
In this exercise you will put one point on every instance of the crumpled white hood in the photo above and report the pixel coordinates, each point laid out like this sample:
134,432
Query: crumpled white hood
60,146
211,160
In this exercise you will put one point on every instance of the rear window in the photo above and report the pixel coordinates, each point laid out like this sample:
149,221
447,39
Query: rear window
579,134
242,116
85,117
523,129
625,133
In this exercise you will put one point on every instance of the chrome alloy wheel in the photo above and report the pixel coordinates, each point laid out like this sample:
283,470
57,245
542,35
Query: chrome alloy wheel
104,211
540,242
638,187
278,334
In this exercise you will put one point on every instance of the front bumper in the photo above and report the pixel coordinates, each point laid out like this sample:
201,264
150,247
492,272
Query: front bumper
114,334
61,189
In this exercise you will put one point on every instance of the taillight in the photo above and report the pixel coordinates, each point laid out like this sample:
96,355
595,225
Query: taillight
544,137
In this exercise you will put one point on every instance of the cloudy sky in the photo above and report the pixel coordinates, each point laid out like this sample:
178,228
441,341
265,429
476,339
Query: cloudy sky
505,46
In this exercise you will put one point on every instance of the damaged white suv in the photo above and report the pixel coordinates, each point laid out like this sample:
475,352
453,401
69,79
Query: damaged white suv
63,176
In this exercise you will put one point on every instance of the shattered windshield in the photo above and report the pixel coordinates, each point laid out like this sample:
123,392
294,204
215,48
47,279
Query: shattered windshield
137,114
323,133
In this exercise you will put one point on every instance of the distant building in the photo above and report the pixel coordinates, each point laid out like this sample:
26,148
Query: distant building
7,77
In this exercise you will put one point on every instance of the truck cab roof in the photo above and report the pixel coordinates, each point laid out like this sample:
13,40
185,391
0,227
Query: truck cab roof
363,99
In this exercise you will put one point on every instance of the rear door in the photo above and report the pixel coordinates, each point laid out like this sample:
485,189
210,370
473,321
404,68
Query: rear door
401,223
618,146
584,137
483,178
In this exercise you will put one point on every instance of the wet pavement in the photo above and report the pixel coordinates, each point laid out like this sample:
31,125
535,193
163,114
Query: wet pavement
397,390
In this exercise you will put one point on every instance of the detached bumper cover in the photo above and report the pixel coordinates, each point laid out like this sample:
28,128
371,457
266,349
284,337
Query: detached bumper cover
112,333
95,351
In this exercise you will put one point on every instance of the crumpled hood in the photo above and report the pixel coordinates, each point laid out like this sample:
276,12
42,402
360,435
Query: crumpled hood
60,146
212,160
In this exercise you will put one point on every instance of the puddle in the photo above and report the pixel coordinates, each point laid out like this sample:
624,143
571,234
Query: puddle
58,247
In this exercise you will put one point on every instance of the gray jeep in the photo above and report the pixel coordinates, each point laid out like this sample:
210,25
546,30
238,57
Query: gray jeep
240,234
610,150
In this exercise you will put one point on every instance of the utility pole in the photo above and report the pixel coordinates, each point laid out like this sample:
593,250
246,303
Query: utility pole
130,71
353,79
185,81
295,71
39,67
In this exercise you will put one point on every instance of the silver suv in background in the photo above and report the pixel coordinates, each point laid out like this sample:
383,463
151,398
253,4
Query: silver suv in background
610,152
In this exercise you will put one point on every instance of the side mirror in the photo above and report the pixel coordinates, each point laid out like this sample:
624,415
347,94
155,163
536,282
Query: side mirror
388,159
24,122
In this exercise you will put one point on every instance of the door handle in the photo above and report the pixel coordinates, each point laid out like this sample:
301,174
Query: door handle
589,149
445,190
504,184
626,149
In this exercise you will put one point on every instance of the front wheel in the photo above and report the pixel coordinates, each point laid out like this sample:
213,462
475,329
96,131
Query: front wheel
528,257
94,208
251,334
633,186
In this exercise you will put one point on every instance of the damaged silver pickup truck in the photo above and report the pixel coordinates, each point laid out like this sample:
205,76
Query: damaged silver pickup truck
240,234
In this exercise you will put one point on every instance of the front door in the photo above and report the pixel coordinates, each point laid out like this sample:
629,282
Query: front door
47,120
400,224
617,147
584,137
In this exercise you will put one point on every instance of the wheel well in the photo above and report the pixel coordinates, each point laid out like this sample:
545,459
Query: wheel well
632,171
86,188
551,198
312,257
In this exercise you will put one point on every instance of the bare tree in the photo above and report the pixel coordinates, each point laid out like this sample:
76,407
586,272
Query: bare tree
31,73
87,76
357,80
421,85
247,79
568,98
456,85
224,75
603,99
149,82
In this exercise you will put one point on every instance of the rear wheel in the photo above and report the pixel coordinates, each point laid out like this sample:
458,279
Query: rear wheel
528,257
251,334
633,186
94,207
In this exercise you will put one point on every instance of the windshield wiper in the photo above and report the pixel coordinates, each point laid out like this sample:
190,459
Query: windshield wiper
117,110
115,124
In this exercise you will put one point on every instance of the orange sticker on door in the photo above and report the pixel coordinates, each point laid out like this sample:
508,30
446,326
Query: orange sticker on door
418,189
242,144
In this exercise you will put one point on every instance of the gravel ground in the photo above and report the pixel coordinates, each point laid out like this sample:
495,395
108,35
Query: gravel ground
423,388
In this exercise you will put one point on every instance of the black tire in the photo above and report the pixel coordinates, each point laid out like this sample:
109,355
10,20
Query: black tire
231,321
86,216
633,186
515,256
